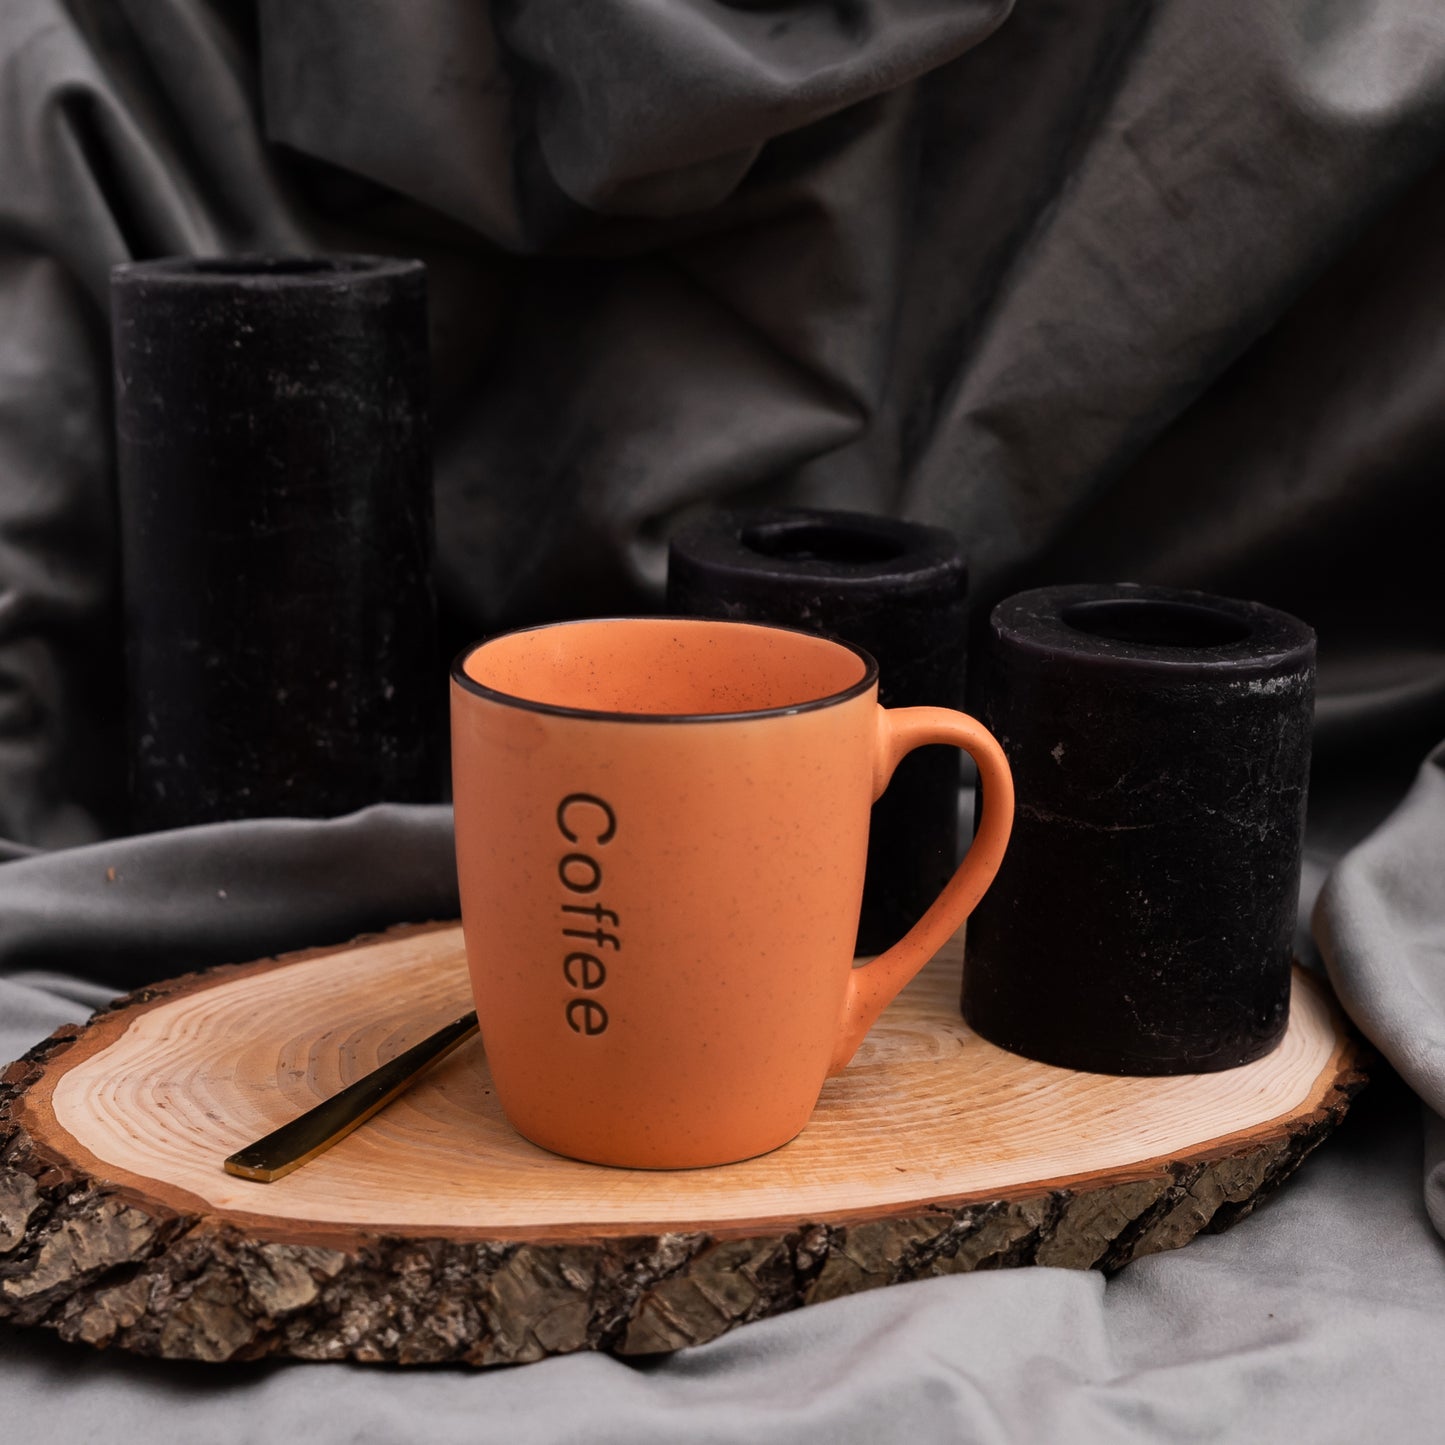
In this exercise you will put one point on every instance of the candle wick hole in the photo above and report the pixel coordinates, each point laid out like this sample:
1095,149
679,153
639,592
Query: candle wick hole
274,266
836,542
1154,622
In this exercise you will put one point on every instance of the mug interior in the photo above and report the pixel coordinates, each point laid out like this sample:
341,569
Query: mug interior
666,667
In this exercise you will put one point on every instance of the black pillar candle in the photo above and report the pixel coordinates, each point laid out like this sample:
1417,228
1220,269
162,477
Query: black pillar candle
1141,922
274,474
900,591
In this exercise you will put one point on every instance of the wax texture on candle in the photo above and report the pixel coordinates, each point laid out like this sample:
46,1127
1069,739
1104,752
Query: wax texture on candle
1159,739
274,473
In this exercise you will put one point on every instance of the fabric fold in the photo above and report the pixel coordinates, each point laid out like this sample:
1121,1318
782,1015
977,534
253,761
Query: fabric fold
1380,925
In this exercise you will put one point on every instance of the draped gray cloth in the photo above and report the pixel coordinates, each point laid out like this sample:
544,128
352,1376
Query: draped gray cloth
1115,289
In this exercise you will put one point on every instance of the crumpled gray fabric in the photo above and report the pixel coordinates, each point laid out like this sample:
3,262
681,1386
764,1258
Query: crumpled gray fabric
129,911
1117,290
1380,923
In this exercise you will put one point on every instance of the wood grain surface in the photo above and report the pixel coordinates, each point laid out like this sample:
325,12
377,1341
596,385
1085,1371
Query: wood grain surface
435,1232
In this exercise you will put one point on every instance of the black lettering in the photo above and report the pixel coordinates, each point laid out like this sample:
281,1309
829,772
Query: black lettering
592,910
586,800
594,1016
594,881
593,972
586,818
599,936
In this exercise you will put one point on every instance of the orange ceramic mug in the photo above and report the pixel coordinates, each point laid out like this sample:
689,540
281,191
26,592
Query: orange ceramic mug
661,830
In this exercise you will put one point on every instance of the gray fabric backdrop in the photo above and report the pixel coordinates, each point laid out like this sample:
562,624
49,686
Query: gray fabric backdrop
1116,289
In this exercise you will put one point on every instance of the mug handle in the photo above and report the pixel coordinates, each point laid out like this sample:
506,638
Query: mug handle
874,986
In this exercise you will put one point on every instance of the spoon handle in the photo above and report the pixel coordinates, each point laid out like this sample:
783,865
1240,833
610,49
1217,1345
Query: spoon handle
315,1131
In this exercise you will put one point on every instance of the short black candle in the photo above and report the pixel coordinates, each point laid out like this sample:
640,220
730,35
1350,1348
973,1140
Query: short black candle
897,589
276,524
1142,920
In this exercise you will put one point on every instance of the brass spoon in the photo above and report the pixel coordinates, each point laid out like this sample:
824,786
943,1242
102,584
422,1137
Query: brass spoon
315,1131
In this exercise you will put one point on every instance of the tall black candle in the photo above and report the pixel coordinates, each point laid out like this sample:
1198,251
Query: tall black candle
274,474
900,591
1141,922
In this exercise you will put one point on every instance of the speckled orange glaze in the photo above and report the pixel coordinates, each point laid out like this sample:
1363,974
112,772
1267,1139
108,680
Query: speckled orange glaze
661,831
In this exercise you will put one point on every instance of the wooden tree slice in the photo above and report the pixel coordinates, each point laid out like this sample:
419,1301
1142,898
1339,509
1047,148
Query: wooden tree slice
436,1233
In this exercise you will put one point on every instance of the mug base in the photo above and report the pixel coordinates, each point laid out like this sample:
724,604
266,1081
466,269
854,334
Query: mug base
656,1160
